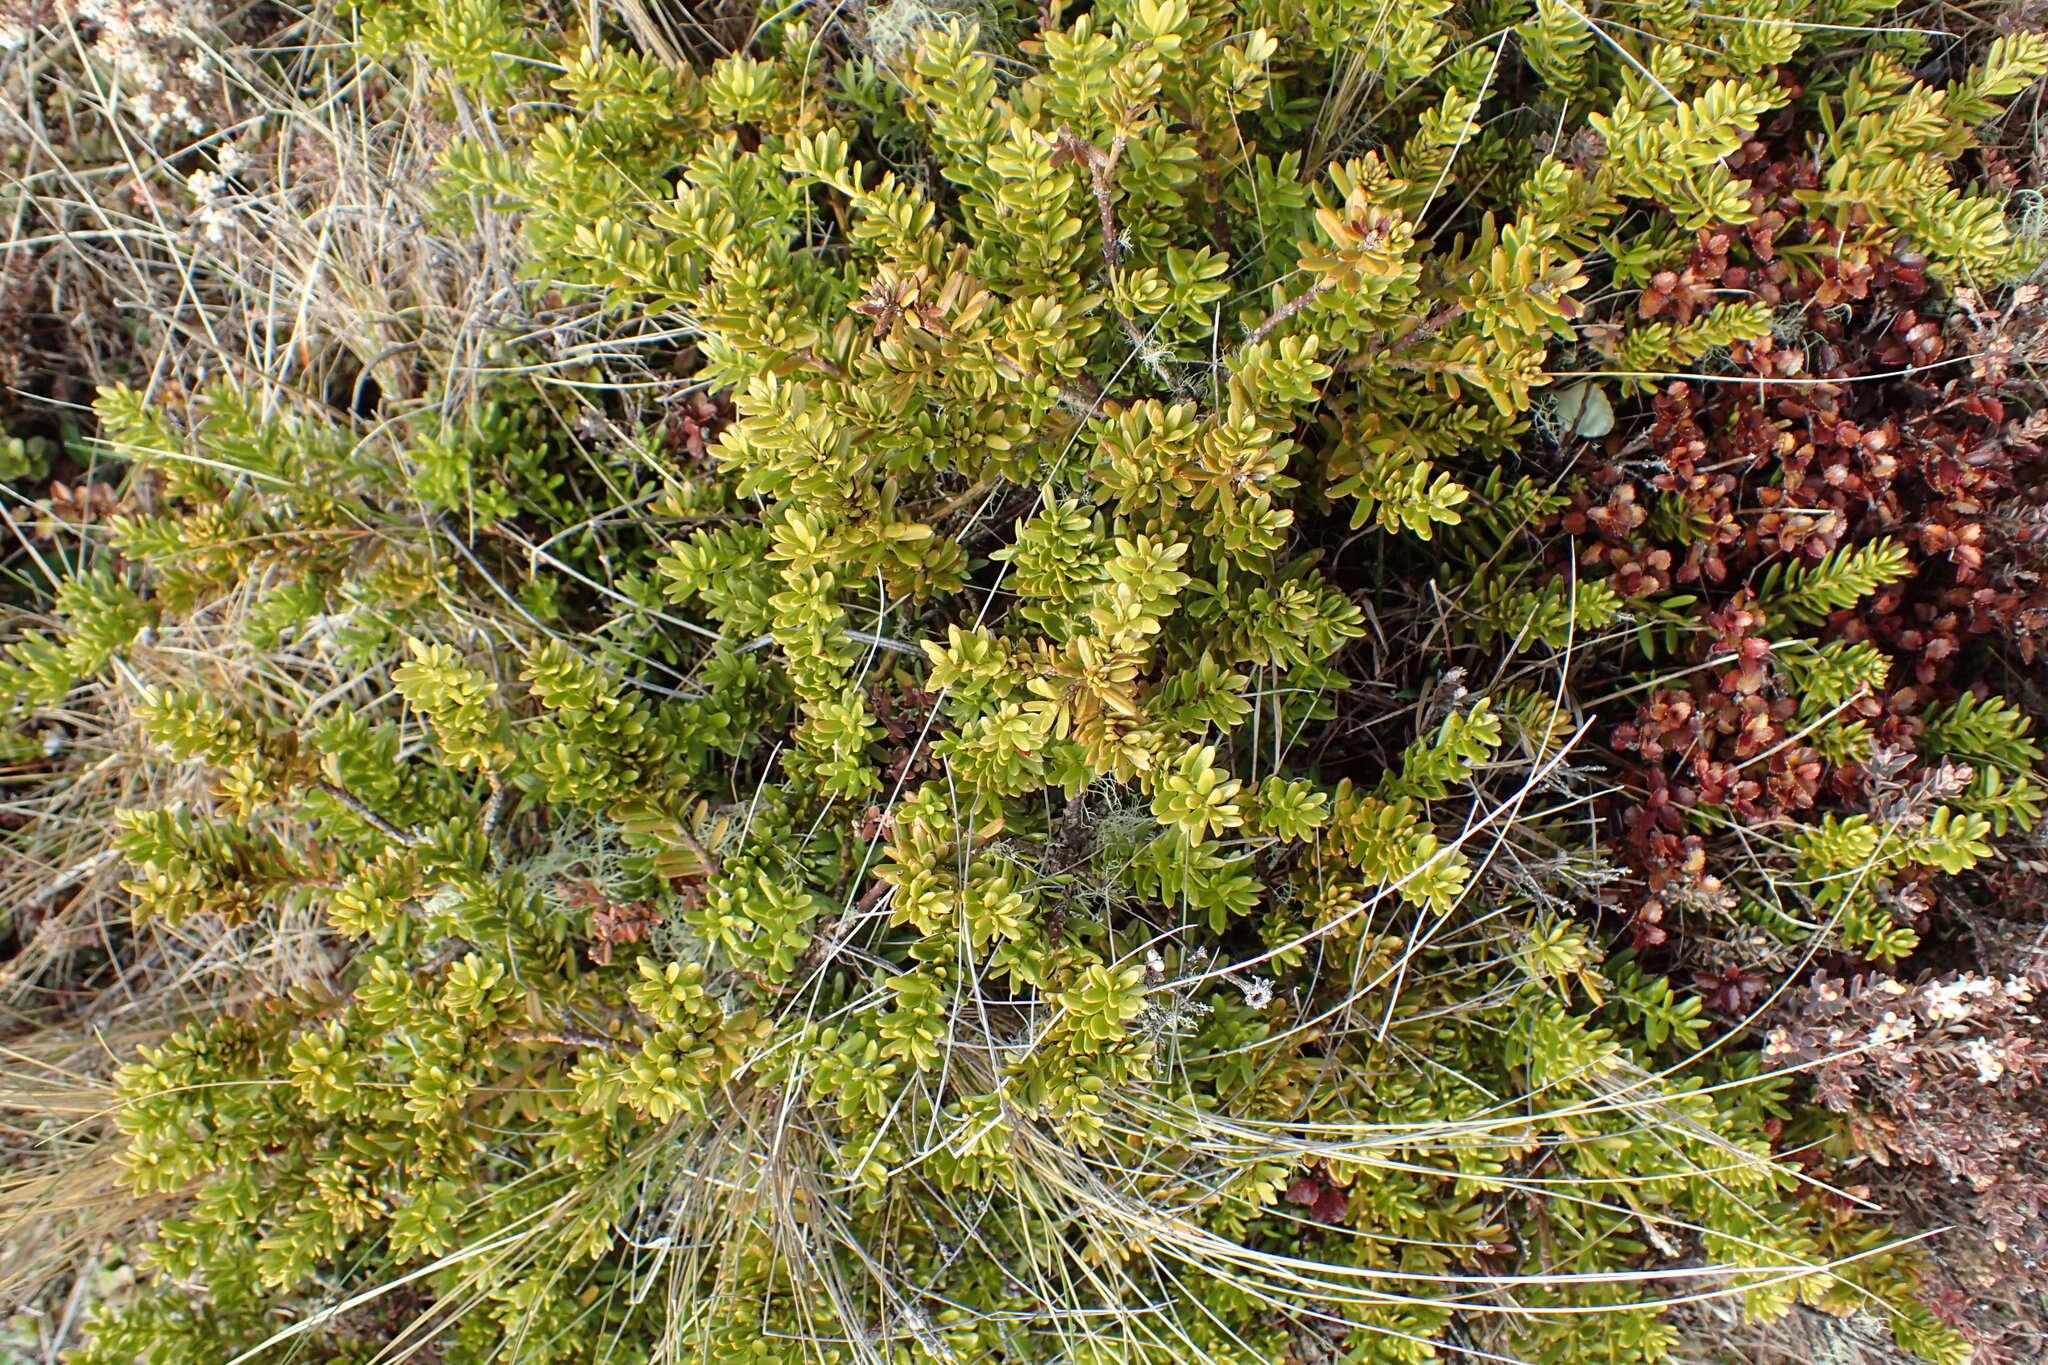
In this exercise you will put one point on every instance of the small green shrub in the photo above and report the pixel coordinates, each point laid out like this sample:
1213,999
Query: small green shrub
910,886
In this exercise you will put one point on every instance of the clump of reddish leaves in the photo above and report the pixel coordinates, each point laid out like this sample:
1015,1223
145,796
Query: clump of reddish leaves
1881,408
1887,412
611,921
1321,1195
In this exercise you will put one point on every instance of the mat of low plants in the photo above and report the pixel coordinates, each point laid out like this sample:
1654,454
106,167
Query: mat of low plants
1142,681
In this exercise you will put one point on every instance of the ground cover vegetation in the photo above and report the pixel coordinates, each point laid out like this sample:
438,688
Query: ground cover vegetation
1161,680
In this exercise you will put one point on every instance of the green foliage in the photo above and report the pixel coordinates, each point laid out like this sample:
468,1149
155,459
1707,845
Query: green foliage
100,614
1807,593
1847,862
1671,152
867,891
23,459
1555,614
1982,729
1893,142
